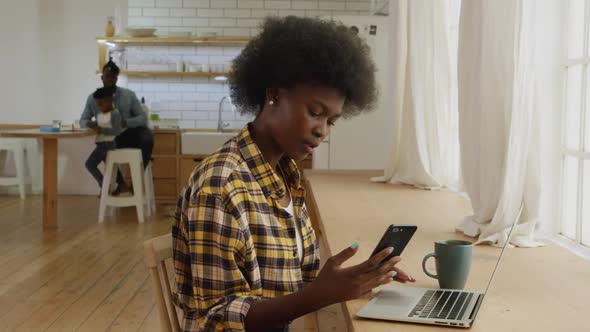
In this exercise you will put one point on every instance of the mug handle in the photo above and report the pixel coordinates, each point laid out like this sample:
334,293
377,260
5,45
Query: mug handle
424,266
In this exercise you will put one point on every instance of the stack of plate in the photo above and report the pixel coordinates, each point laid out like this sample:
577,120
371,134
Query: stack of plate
141,32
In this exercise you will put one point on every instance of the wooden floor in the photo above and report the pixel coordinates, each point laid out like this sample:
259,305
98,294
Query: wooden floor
84,276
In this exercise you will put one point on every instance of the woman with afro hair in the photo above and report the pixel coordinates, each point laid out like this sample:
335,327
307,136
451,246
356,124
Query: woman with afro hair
246,257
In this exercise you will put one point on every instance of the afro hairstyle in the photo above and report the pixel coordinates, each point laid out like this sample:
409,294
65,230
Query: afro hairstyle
295,50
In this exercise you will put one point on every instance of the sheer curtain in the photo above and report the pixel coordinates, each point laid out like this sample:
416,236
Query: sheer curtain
497,125
423,96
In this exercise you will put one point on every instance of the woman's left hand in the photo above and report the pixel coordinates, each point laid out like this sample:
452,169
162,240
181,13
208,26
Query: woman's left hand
402,277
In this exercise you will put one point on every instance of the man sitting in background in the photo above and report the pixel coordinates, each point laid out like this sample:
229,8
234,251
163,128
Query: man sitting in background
107,126
136,133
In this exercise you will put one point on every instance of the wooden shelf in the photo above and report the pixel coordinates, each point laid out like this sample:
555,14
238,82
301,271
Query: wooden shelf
169,73
174,40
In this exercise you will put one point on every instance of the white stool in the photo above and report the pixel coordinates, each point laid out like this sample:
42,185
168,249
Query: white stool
17,147
143,187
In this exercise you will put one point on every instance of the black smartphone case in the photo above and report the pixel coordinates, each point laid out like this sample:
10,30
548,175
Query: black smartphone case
396,236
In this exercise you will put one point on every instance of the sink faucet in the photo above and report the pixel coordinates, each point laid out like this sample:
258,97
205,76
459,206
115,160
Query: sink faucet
220,123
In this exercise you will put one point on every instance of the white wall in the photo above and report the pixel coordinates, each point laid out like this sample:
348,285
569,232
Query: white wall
70,55
70,59
49,70
19,86
49,56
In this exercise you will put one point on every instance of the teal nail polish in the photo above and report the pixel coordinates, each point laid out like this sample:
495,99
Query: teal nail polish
354,245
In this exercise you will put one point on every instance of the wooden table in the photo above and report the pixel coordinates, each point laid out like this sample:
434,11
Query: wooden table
49,165
537,289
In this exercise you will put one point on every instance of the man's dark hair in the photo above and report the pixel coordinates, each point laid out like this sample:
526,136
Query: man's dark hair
111,67
102,93
294,50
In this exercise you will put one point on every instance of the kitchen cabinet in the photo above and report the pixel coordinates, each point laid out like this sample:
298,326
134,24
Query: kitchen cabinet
165,165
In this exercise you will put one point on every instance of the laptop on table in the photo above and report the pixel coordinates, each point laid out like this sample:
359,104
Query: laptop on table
435,306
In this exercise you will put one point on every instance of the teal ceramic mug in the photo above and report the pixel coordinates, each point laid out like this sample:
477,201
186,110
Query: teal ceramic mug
453,262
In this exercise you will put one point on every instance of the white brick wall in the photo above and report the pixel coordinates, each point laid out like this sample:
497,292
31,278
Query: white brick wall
251,4
169,3
194,101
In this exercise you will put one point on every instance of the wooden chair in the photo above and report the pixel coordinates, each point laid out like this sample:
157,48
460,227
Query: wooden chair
157,251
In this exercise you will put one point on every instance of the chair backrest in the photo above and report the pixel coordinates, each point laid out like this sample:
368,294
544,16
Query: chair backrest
157,251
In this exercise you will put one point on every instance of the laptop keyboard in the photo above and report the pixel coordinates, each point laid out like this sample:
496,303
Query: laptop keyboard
442,304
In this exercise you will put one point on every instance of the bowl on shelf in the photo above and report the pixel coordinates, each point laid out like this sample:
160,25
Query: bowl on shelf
141,32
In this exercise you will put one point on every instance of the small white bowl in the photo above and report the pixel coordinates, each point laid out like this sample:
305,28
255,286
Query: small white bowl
141,32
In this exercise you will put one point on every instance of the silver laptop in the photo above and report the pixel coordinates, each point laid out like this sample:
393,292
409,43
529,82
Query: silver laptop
447,307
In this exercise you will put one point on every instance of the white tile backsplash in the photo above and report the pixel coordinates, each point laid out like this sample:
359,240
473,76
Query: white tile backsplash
261,13
195,96
133,12
211,50
304,4
196,3
182,87
195,115
224,4
195,22
169,115
332,5
154,87
183,12
237,13
207,106
277,4
293,12
167,96
183,106
251,4
194,101
156,12
210,13
168,21
222,22
360,6
169,3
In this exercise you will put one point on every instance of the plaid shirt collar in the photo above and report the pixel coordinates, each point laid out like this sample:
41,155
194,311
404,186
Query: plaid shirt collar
265,175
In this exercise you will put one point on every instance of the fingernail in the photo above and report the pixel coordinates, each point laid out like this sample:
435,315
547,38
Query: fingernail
390,250
393,274
354,245
411,278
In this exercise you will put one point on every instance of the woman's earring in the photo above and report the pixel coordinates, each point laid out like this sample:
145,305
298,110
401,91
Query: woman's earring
271,102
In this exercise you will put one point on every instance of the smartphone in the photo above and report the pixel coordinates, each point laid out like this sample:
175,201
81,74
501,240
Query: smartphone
396,236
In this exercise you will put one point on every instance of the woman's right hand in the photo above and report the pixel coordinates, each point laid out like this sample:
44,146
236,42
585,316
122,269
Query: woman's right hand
336,284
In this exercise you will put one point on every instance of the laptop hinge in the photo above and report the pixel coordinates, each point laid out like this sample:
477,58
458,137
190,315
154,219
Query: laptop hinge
476,308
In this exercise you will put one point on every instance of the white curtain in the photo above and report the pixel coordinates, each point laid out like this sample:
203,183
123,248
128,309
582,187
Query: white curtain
423,96
498,130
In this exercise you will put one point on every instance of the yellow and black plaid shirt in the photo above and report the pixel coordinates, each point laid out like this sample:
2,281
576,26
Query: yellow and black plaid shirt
233,243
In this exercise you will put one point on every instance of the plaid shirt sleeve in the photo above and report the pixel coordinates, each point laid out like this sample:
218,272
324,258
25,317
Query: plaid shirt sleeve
213,257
